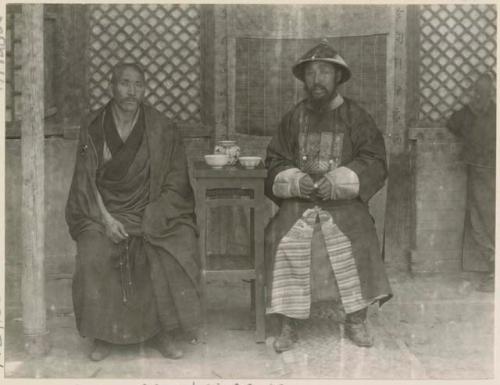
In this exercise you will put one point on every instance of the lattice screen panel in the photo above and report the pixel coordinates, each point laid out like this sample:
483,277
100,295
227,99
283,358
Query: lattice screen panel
164,39
457,43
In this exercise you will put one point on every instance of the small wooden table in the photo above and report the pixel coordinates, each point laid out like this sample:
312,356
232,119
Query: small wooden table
237,187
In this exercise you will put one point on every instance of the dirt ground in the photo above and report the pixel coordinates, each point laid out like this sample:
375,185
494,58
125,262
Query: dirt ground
435,327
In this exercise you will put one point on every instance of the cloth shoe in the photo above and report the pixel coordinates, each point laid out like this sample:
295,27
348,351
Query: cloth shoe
166,346
287,337
100,350
356,328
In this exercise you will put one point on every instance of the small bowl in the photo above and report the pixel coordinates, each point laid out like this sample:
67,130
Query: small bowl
216,160
250,162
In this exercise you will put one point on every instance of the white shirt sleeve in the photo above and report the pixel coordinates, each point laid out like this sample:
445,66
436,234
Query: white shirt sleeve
286,183
345,183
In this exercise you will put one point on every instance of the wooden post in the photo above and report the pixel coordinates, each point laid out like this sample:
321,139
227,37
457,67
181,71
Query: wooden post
398,206
32,151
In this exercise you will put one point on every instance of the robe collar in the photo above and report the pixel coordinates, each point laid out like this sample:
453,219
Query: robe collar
159,147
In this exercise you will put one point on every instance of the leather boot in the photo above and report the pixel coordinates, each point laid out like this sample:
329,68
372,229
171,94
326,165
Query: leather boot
287,337
100,350
165,344
356,328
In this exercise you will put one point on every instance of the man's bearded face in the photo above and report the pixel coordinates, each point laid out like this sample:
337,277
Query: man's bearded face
128,89
321,81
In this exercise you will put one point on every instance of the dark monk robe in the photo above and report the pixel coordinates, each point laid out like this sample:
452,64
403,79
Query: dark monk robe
128,292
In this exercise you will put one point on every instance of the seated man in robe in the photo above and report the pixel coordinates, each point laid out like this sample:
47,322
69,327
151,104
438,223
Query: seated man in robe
475,125
325,162
131,212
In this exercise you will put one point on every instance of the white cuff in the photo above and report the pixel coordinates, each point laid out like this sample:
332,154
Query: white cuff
286,183
345,183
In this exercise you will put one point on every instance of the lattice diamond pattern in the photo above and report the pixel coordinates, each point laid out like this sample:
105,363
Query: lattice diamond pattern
164,39
457,43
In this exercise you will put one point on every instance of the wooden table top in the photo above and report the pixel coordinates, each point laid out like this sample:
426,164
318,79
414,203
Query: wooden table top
203,170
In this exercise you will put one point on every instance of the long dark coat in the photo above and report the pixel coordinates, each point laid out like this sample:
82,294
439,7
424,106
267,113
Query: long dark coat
363,151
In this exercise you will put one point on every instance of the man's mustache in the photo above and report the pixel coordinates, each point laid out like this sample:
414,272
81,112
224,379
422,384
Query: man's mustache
318,87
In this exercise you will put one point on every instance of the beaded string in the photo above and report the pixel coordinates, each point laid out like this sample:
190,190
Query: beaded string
125,274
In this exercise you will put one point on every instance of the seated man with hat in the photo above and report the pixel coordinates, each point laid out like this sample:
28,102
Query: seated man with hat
325,162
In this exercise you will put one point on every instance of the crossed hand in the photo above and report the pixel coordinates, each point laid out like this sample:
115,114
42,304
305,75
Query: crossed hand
321,189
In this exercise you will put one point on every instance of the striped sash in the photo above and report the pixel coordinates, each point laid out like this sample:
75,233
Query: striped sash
343,264
291,289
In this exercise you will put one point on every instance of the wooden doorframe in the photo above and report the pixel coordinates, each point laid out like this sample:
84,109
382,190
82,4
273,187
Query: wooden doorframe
412,115
207,64
400,228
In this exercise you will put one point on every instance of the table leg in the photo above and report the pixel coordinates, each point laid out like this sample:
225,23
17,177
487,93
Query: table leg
201,214
252,255
260,301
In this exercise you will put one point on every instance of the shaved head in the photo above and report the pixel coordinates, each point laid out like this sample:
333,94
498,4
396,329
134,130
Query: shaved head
119,68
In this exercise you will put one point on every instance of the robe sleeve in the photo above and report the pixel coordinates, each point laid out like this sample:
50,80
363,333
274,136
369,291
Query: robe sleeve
369,156
279,158
82,210
345,183
176,198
